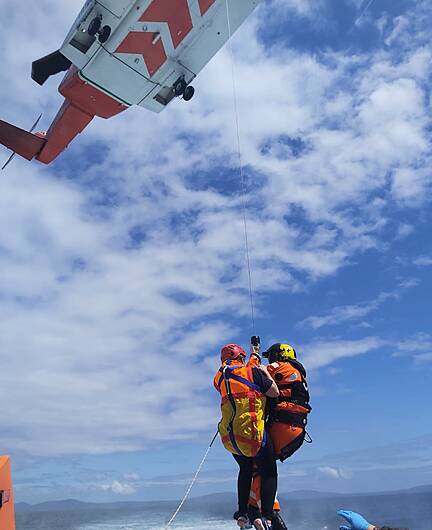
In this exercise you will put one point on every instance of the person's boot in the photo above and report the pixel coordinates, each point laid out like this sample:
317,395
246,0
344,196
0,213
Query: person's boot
262,524
277,522
242,520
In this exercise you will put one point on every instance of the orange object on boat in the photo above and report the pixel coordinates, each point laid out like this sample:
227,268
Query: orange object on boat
7,513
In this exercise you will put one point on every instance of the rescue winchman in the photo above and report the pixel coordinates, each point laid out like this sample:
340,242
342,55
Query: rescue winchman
286,418
244,390
287,415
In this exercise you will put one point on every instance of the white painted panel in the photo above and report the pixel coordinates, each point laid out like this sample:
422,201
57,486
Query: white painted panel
78,46
214,33
117,79
125,76
197,50
117,7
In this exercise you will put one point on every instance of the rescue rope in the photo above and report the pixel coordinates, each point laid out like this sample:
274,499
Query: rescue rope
191,485
362,14
241,168
247,252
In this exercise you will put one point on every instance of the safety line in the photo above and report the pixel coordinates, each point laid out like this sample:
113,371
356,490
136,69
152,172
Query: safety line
248,262
362,14
242,175
191,485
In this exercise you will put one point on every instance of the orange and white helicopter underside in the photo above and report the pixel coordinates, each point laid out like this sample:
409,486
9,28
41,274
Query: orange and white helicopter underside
152,44
121,53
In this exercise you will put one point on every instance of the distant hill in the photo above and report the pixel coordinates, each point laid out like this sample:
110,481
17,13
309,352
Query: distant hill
303,510
213,502
418,489
74,505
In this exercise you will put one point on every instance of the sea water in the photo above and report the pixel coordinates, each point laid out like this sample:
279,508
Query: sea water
182,524
69,521
406,510
185,524
104,521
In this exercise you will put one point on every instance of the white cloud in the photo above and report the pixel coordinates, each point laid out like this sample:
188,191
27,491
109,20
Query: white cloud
131,476
335,473
424,358
122,273
409,185
401,24
305,8
404,230
325,352
419,346
423,261
120,488
348,313
365,10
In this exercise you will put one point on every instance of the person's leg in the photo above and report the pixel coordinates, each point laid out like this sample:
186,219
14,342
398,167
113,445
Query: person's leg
267,468
254,513
244,482
278,523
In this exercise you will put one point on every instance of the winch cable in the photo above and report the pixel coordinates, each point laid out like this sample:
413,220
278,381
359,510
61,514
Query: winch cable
247,252
191,485
241,169
362,14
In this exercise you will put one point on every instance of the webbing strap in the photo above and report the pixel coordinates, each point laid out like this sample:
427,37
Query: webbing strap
291,418
244,382
234,411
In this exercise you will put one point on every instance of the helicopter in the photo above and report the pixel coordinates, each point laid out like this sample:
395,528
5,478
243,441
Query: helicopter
121,53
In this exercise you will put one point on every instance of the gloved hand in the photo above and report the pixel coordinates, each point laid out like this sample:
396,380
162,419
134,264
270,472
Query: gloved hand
357,521
255,350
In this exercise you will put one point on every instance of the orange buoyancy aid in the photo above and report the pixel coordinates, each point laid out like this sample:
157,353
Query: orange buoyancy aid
288,413
243,408
255,494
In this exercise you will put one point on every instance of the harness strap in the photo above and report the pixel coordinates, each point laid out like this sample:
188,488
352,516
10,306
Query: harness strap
234,412
244,381
285,387
300,402
292,418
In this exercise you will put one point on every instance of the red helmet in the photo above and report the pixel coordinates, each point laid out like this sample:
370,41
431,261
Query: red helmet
231,352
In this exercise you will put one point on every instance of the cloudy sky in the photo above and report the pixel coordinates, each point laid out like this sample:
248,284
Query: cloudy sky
122,265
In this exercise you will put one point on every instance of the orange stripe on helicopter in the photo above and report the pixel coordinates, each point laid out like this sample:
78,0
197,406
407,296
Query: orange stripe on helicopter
176,14
143,43
205,5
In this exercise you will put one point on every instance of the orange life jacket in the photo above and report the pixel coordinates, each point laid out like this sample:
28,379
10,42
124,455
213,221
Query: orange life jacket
243,409
288,413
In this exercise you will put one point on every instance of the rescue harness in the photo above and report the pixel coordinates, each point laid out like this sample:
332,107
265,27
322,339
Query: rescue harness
243,409
288,413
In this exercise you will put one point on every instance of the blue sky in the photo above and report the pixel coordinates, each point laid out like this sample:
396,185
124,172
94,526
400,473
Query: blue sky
123,267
